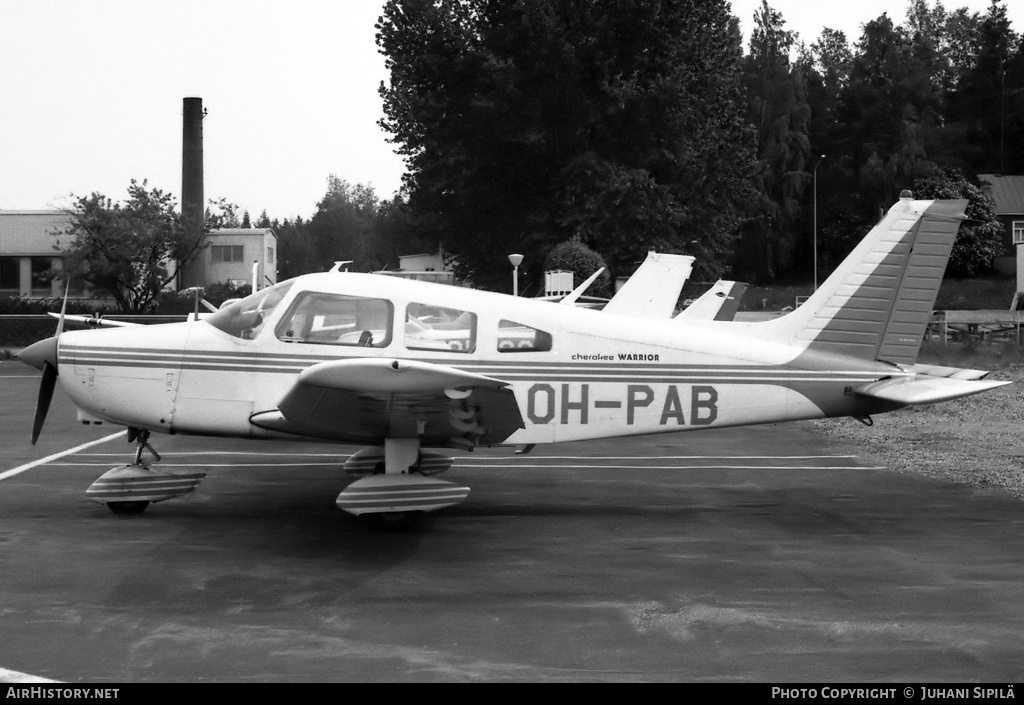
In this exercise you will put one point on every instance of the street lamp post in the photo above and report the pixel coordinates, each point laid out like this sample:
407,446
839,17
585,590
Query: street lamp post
816,222
516,260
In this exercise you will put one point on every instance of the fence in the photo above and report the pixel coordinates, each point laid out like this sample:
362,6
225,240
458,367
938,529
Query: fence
16,332
975,325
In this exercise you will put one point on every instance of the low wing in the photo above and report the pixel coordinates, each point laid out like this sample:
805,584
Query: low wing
366,400
925,389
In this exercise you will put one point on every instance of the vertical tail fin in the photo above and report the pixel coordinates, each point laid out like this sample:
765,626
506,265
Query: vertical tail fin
719,303
653,290
879,301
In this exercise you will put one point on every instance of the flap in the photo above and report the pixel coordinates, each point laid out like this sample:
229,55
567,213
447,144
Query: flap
366,400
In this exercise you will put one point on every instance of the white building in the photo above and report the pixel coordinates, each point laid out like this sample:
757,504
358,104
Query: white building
28,256
228,256
425,267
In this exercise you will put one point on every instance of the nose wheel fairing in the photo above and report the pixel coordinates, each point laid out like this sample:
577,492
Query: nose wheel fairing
130,488
138,483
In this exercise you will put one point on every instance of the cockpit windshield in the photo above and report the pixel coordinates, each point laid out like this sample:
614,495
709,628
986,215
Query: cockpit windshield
244,318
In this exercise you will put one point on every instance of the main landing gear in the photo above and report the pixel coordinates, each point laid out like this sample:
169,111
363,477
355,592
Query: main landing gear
397,488
129,489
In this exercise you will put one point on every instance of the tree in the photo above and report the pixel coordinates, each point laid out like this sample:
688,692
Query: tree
343,226
778,109
980,238
525,123
893,107
129,251
988,104
294,251
222,213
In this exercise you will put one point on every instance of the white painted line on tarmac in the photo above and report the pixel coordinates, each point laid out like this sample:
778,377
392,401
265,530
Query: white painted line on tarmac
505,458
213,465
16,677
230,452
517,466
56,456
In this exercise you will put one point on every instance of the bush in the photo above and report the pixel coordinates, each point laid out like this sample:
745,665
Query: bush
573,256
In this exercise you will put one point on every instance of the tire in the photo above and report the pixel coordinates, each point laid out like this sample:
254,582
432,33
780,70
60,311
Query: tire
135,507
392,521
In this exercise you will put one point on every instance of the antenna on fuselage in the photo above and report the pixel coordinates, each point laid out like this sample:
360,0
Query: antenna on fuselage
341,265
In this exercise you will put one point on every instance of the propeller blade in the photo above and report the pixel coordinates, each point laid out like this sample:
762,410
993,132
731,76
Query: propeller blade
63,308
45,395
43,355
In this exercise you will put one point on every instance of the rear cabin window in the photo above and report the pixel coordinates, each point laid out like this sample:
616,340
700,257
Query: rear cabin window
515,337
334,319
437,328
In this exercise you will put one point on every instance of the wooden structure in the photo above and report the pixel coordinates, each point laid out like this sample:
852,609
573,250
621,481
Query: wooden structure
963,325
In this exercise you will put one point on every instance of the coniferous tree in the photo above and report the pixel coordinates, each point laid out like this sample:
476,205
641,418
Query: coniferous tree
778,109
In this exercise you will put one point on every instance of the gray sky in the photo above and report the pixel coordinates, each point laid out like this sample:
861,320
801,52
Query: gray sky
91,94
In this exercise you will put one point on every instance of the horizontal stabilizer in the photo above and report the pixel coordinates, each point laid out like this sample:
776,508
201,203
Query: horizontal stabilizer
924,389
954,372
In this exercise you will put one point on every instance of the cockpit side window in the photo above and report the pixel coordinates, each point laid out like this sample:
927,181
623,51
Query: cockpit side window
437,328
244,318
515,337
336,319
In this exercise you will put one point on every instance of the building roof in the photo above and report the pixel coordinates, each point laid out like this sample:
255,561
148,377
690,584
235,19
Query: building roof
50,211
1007,192
243,231
25,232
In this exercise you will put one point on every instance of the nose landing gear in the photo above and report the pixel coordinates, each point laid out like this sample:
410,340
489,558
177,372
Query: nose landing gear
129,489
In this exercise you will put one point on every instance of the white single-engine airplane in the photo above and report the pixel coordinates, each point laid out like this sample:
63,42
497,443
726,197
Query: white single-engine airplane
403,366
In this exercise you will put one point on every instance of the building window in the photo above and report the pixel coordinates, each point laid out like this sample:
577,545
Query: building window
270,255
227,253
1018,232
42,275
10,275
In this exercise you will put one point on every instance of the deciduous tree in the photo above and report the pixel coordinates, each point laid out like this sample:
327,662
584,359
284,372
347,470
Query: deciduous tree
127,250
980,238
526,123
